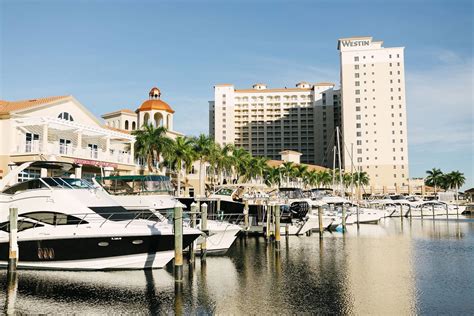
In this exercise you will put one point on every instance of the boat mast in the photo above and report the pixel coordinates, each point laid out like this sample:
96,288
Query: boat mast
334,170
339,161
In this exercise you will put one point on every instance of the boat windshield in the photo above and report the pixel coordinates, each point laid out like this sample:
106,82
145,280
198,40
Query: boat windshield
130,185
225,191
53,182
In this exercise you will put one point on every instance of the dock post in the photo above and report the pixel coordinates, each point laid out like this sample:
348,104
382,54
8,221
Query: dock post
409,209
178,242
447,210
287,230
246,216
267,230
343,218
320,219
218,210
432,210
421,211
204,230
13,251
192,254
277,227
357,210
401,212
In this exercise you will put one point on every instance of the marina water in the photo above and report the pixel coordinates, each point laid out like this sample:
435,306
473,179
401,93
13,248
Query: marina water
397,267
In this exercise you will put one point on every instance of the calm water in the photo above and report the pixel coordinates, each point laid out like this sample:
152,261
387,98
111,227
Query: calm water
418,267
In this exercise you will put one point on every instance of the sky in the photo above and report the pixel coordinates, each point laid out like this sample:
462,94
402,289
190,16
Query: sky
108,54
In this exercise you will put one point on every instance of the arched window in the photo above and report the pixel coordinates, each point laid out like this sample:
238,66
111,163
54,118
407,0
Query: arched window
158,119
146,118
134,125
126,125
65,116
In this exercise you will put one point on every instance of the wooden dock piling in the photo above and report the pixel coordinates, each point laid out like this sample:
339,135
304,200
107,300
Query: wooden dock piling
192,254
246,216
178,242
204,230
267,230
13,253
432,210
320,219
343,218
357,214
276,211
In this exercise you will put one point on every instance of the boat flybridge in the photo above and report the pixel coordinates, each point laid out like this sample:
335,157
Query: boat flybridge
153,193
67,224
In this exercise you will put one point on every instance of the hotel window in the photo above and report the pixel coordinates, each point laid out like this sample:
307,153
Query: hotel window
357,117
356,75
358,125
357,108
390,72
357,100
357,83
356,58
359,134
357,92
398,55
359,159
390,64
359,142
356,66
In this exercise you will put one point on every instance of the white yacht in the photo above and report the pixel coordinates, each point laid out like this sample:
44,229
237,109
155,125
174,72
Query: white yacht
67,224
142,194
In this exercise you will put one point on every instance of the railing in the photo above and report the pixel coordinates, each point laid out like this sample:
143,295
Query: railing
73,151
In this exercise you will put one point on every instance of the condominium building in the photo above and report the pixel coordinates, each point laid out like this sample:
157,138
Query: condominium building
374,119
267,121
369,109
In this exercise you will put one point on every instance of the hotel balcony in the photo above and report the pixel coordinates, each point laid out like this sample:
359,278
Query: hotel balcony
83,144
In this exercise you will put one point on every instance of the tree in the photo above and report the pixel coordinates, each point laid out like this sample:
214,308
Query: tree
287,170
272,176
311,178
434,178
325,178
182,156
150,143
202,145
240,159
299,172
457,180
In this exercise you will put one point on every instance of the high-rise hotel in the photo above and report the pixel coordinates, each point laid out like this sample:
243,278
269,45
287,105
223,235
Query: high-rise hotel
369,108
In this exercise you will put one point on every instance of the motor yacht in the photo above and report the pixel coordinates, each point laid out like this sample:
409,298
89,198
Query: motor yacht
67,224
153,193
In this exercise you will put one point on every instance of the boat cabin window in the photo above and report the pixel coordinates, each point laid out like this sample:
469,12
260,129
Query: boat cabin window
22,225
137,185
54,218
23,186
114,213
225,191
65,183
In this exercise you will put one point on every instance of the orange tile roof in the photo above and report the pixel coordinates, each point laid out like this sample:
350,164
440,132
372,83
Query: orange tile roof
12,106
278,163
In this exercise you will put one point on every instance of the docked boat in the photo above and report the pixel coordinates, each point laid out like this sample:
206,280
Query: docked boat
293,211
143,194
67,224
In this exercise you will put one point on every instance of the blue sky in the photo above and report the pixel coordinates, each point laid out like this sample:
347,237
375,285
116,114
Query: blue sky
108,54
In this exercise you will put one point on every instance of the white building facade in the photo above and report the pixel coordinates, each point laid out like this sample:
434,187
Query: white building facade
267,121
374,116
369,109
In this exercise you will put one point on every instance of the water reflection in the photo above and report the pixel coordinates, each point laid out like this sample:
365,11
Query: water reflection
398,267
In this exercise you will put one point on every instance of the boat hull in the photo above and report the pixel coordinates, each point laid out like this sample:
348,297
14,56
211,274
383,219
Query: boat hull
96,253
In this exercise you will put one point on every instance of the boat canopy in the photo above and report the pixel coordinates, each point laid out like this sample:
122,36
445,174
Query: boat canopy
136,184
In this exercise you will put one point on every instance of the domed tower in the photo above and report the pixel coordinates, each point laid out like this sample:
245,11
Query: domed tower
155,111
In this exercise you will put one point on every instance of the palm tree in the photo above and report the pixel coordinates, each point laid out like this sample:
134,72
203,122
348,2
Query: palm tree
272,176
311,178
434,178
287,170
182,157
361,178
299,171
325,178
457,180
202,146
240,158
150,143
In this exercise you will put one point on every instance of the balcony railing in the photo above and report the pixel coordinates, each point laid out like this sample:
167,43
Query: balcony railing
36,147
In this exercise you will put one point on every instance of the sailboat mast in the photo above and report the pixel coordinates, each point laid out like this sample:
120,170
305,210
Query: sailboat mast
339,160
334,169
